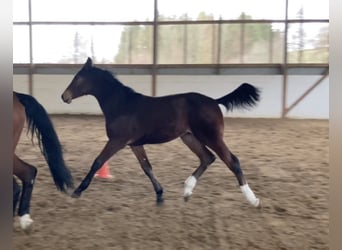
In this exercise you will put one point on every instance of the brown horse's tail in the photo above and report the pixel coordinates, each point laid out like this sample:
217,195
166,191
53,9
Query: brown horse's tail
246,95
39,124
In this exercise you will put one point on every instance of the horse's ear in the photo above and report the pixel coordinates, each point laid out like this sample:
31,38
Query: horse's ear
88,64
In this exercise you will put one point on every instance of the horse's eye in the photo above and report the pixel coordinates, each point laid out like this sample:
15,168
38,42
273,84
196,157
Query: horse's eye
78,79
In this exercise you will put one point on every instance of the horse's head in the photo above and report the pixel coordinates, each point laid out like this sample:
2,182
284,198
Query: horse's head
81,84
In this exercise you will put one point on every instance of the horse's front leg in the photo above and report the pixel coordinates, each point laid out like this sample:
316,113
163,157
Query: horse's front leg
140,153
112,146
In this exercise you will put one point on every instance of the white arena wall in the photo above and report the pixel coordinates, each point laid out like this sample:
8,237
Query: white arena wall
48,88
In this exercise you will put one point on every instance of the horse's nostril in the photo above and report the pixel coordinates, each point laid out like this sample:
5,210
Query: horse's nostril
66,97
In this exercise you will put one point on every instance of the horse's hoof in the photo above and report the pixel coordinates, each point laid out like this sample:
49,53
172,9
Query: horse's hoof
75,195
258,205
69,190
187,198
26,223
28,229
160,201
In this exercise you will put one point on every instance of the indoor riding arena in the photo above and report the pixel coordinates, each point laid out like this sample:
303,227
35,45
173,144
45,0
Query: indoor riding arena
282,142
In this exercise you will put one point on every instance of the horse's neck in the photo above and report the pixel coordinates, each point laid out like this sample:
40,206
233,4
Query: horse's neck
113,98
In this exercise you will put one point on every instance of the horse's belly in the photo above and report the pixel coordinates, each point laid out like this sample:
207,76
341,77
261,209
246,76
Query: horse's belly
157,138
151,140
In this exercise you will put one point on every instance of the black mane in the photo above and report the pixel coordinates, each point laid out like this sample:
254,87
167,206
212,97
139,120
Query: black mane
110,77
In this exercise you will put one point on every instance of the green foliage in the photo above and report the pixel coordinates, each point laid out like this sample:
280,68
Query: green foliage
135,45
317,55
170,43
198,43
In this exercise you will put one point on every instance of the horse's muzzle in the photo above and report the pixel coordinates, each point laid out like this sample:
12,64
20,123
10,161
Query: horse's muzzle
67,97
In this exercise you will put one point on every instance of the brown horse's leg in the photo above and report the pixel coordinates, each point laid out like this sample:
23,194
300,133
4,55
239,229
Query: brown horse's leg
140,153
205,156
27,174
233,164
16,194
111,147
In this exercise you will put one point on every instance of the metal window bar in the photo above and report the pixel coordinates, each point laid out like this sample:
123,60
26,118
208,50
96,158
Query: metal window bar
216,48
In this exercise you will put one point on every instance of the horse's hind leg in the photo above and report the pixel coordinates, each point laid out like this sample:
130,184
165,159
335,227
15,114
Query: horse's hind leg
16,194
27,174
233,164
206,158
140,153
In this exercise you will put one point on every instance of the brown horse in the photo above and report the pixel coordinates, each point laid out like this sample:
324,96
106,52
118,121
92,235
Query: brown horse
134,119
25,107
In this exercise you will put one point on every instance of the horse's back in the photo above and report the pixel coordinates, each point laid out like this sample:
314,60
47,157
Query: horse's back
185,107
178,106
184,101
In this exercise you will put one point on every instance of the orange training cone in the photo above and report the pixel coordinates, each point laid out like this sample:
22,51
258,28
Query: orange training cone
103,172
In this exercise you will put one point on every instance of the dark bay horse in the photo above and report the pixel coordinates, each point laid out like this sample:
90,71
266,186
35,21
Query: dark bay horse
134,119
26,107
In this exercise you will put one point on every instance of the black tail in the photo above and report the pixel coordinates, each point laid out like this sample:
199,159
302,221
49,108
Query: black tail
39,124
246,95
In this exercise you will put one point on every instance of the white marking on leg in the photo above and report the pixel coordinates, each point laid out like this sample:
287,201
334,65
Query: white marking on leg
189,185
25,222
250,196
